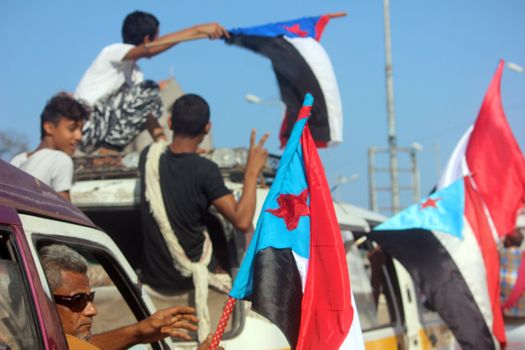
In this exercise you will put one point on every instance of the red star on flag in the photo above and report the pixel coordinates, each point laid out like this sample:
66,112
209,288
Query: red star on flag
296,29
430,203
291,208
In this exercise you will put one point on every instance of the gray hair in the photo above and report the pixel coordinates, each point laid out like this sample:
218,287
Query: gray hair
56,258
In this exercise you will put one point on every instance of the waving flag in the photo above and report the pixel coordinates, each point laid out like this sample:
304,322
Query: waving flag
301,65
444,244
295,271
490,152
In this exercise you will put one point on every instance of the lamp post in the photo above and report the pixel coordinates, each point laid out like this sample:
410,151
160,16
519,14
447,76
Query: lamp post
251,98
416,147
391,118
341,180
515,67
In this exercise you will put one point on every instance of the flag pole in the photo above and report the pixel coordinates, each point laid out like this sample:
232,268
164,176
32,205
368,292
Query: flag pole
223,321
336,15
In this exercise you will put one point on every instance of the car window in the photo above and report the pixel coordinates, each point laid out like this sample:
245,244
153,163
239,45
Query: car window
116,298
17,321
371,284
112,309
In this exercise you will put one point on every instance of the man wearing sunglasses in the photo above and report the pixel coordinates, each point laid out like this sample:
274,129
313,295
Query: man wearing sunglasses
66,271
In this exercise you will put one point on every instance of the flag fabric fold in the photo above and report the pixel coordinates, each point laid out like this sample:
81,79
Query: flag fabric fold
301,65
489,151
450,258
294,270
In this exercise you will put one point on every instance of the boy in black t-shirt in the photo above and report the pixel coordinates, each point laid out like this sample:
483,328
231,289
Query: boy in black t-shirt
189,184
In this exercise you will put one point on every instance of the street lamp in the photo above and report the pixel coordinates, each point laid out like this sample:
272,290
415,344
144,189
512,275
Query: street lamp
515,67
342,180
251,98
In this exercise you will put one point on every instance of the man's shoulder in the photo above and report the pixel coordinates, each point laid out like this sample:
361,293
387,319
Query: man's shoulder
197,161
54,153
19,159
115,49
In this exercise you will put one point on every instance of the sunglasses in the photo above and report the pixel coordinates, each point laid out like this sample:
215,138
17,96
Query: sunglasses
77,302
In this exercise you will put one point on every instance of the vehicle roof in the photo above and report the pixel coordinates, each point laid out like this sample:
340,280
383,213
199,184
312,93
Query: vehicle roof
27,194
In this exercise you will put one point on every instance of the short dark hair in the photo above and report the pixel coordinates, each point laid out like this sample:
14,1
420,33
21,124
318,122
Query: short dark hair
63,105
138,25
189,115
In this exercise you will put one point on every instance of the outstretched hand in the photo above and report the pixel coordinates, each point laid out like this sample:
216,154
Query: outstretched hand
214,30
257,154
173,322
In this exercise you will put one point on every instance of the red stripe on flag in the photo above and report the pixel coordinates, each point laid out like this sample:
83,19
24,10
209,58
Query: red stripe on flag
480,226
320,25
495,158
327,311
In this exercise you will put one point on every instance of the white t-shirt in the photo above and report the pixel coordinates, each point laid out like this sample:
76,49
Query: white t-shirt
52,167
108,72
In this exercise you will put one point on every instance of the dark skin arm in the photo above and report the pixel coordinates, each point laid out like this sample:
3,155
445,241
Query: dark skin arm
241,213
154,129
205,345
65,195
171,322
165,42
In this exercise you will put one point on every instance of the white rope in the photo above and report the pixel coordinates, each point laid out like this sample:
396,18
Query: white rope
198,270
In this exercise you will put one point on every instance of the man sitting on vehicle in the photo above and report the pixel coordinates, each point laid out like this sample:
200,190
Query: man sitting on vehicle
123,102
61,130
177,188
66,271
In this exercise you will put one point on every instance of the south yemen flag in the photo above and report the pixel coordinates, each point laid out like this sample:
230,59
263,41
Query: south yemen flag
301,65
443,243
295,271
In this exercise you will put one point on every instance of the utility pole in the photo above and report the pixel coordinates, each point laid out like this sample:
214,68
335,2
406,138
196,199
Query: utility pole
391,119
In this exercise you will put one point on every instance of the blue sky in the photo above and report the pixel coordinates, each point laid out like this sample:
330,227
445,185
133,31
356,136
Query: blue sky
444,55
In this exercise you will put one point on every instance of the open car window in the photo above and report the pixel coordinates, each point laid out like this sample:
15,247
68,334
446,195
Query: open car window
117,299
18,325
372,285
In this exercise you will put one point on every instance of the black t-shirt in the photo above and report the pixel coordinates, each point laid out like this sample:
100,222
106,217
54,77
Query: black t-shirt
189,183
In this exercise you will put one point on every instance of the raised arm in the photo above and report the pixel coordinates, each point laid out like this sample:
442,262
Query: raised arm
241,213
163,43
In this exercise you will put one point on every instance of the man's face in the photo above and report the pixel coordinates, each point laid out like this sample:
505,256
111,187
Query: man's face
66,134
75,323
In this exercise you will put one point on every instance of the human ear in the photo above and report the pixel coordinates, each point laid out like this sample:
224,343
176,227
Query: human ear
169,122
207,128
49,128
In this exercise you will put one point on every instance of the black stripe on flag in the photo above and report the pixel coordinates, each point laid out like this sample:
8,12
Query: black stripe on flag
440,280
295,79
277,292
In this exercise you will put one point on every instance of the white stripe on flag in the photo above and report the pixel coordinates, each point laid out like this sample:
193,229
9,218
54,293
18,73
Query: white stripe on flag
457,166
302,266
318,60
354,339
467,256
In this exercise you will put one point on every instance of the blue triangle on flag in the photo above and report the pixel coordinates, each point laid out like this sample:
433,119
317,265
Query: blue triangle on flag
441,212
